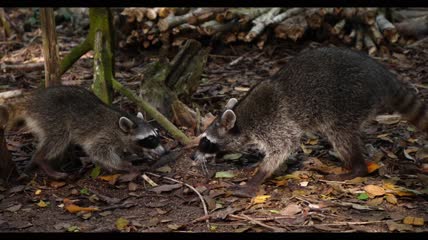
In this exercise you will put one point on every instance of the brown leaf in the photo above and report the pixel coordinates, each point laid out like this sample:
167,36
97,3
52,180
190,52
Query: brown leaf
56,184
132,186
409,220
291,210
374,202
166,188
391,198
14,208
373,190
393,226
110,178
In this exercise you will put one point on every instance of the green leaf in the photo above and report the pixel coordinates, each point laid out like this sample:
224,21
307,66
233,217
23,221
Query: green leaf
84,191
95,171
274,211
232,156
225,174
363,196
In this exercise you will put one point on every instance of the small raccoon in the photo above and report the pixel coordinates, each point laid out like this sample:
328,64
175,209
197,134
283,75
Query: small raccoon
330,90
64,115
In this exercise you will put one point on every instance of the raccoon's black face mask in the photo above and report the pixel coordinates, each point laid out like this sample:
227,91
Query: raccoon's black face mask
141,135
206,146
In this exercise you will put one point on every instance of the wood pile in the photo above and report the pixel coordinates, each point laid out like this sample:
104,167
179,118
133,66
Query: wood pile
365,29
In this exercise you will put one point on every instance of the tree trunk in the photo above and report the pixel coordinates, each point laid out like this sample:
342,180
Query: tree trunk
50,47
165,84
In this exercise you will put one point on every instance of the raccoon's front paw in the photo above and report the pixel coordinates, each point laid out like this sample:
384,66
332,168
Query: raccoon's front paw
246,191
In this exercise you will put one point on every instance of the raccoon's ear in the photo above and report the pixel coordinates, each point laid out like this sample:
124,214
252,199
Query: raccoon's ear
231,103
228,119
140,116
126,124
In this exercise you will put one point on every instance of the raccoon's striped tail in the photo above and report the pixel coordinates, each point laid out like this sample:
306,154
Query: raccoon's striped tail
407,103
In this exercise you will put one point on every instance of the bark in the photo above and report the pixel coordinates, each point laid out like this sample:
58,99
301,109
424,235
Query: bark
5,24
387,28
370,45
172,20
50,47
212,27
292,28
261,23
102,86
314,17
376,35
338,27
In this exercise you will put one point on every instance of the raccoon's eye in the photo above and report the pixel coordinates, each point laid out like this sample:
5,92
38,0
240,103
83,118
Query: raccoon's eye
149,142
206,146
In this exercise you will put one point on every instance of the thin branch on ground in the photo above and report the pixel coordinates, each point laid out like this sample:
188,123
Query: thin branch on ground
193,189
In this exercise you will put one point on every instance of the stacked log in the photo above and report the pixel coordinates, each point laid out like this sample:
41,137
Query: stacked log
366,29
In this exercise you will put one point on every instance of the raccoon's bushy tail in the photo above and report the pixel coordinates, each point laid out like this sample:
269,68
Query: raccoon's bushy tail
407,103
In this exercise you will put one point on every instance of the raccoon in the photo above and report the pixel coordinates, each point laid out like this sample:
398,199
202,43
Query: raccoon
333,91
64,115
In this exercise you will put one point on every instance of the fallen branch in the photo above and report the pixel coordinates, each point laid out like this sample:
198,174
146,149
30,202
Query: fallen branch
261,23
254,221
164,122
28,67
193,189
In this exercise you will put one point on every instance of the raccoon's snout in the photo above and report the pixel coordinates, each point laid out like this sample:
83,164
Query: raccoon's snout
159,150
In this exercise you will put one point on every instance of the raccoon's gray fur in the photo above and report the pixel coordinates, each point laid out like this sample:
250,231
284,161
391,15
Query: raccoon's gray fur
64,115
330,90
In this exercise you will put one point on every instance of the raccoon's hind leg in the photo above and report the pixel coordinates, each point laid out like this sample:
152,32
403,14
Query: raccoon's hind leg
349,147
46,150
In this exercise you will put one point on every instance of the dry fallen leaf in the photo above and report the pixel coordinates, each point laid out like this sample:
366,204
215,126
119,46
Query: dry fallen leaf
291,209
400,191
166,188
56,184
391,198
373,190
372,166
110,178
38,191
42,204
73,208
260,199
374,202
409,220
121,223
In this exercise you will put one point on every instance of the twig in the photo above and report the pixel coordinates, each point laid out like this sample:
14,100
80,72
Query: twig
193,189
23,67
245,217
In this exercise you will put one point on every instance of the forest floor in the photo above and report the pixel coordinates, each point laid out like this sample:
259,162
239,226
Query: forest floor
392,198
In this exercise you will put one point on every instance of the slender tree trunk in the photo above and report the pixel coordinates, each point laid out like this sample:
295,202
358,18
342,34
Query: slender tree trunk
50,47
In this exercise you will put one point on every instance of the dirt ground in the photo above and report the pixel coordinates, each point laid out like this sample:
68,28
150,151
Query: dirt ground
393,198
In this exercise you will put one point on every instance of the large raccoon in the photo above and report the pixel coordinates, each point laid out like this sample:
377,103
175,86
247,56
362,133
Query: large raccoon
64,115
330,90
